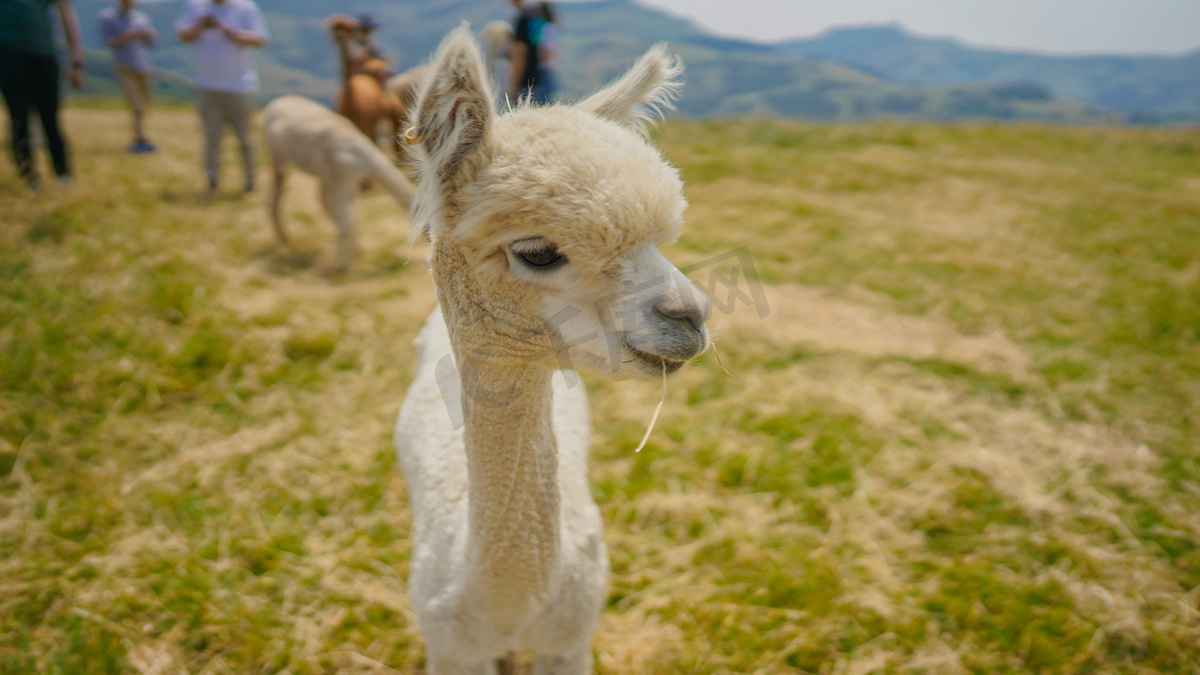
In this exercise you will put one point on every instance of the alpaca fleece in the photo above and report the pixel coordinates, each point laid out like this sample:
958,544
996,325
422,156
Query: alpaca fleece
508,548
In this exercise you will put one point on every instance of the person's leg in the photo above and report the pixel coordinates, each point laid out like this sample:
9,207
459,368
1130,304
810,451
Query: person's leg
209,105
546,86
14,87
537,94
131,88
146,89
242,108
44,90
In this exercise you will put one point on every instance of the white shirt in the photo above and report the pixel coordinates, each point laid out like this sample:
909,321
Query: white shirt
220,64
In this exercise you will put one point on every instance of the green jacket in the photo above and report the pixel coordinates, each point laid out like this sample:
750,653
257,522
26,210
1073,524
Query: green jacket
25,26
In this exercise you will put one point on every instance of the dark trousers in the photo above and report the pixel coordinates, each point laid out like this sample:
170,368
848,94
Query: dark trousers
29,82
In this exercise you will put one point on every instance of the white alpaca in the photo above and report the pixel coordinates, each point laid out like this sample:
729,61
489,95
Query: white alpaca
497,38
325,144
545,224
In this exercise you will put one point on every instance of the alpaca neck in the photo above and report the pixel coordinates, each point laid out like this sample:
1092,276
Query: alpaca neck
348,104
344,55
512,454
512,466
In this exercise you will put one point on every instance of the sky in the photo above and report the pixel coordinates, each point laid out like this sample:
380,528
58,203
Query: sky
1051,26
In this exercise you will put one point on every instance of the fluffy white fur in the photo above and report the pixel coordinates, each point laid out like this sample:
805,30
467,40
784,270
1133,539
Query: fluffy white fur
305,134
508,550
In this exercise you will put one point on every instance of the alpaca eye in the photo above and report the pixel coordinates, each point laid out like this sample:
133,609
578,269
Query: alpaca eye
542,258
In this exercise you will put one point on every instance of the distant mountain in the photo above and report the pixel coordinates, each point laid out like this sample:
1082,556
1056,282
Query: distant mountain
1145,88
601,38
733,77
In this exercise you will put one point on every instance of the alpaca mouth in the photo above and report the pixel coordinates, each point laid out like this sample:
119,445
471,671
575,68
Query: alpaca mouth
651,363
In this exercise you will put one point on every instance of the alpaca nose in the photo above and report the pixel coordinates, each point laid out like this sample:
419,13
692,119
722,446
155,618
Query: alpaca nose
689,313
675,308
684,303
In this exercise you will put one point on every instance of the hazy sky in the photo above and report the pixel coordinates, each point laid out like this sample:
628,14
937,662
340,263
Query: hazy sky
1059,26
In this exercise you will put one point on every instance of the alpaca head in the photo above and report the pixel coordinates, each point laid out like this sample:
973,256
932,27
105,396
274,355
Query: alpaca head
343,29
546,222
497,37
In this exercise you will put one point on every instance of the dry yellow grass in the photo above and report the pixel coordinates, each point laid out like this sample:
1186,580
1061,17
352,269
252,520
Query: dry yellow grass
940,451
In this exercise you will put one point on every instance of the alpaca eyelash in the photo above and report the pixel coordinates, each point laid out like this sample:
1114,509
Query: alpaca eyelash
538,254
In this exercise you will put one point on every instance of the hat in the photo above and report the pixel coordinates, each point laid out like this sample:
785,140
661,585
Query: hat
368,22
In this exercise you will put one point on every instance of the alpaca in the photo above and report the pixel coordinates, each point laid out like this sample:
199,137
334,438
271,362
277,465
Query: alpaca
345,30
318,141
497,38
361,98
544,225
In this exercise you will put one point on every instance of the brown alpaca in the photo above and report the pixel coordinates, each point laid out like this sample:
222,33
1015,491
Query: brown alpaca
362,99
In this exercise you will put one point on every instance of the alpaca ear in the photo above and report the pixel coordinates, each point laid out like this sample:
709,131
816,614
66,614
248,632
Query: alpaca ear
453,114
643,94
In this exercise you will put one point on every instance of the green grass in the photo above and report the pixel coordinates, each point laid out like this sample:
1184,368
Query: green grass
962,439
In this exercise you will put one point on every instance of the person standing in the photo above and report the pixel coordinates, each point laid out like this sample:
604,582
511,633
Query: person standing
128,33
226,33
534,52
29,75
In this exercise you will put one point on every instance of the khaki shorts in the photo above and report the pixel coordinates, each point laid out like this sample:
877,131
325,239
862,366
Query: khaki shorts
136,86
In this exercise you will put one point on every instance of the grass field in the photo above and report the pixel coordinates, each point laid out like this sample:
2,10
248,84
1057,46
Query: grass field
962,439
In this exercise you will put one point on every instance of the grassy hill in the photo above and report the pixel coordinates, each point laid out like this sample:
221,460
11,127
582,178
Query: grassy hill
725,77
1148,88
959,434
